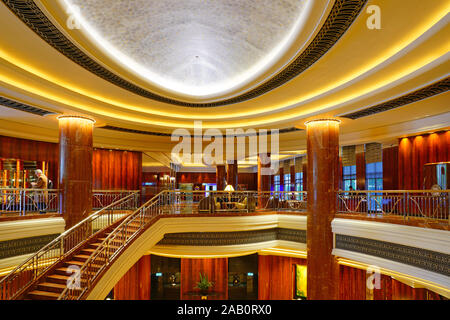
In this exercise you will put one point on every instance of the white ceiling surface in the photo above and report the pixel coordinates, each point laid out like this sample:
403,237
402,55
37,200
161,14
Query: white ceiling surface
194,47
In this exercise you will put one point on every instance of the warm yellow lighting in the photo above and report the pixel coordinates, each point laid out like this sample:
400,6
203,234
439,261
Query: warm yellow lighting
284,252
75,117
402,277
229,188
415,33
322,120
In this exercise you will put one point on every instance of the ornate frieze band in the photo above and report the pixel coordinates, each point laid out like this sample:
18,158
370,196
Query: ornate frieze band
164,134
417,257
423,93
23,107
232,238
18,247
342,15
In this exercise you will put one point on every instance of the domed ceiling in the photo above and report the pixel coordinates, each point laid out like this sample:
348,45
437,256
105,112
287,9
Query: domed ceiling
143,68
193,47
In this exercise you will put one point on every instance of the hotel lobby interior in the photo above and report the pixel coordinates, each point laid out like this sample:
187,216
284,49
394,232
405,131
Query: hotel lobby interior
224,150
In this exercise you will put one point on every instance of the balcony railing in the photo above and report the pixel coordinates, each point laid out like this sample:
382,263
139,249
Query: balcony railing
425,204
235,201
22,202
32,268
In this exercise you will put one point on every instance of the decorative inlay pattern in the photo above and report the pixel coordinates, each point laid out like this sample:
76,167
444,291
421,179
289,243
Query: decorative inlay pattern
163,134
232,238
342,15
23,107
420,94
18,247
417,257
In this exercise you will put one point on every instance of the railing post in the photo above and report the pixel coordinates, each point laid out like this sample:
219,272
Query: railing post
23,201
406,217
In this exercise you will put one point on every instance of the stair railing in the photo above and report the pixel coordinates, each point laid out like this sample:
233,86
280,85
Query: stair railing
114,243
20,278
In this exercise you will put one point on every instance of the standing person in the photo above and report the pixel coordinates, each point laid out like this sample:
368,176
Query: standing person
41,196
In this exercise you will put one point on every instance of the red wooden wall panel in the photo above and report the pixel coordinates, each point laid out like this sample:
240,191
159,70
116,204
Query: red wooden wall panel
217,271
353,286
135,284
248,178
352,283
30,150
360,171
390,168
115,169
414,152
276,276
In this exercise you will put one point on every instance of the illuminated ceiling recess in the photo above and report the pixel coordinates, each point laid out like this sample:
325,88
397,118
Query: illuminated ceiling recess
195,48
268,64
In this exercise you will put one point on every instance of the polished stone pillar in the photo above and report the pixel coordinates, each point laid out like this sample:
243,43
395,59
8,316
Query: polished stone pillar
264,179
75,168
322,187
220,177
232,173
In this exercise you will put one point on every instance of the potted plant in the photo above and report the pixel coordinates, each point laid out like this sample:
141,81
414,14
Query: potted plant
204,284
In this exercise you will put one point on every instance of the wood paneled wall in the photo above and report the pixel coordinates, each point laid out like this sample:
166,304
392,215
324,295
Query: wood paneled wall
117,169
135,284
31,150
196,177
414,152
215,269
276,277
390,168
250,179
360,171
352,286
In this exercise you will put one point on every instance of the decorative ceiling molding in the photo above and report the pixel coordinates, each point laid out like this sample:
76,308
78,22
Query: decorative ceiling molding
165,134
232,238
5,102
342,15
420,94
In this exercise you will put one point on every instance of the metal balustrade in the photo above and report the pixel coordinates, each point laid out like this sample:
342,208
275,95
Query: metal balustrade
426,204
22,202
31,269
429,204
231,201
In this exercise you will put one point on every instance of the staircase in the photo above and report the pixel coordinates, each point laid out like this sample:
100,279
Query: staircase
52,283
46,274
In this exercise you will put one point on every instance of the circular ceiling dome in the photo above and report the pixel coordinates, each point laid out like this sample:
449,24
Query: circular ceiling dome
195,48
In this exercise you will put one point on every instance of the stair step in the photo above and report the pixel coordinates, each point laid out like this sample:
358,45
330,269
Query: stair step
81,257
96,245
57,278
43,295
51,287
79,264
65,271
88,251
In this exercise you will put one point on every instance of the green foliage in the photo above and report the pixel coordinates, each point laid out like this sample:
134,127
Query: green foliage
204,283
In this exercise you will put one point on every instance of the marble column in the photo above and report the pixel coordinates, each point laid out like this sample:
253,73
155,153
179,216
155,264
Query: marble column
264,179
220,177
232,173
75,168
322,187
